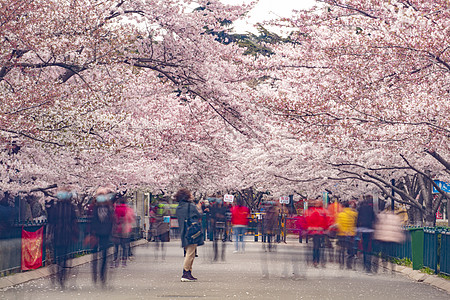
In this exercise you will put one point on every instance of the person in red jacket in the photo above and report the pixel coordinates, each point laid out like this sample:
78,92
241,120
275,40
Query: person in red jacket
239,221
318,222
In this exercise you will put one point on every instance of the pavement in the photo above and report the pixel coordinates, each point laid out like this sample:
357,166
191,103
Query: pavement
255,274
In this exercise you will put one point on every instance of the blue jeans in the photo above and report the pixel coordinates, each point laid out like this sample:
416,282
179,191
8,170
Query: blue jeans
317,249
239,232
101,252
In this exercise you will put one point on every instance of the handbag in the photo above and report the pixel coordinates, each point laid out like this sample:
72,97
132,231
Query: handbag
194,233
90,241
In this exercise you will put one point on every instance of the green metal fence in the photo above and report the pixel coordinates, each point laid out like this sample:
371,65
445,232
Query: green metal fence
401,251
430,249
11,244
424,246
444,261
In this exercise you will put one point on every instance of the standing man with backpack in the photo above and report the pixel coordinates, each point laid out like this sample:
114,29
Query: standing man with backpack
187,214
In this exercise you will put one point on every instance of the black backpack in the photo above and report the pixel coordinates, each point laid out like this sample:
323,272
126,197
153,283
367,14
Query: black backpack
193,229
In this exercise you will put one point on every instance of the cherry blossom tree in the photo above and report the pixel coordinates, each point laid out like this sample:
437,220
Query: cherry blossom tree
367,78
152,94
69,69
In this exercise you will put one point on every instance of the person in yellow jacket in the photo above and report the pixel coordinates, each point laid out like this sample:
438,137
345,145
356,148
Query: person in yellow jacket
346,225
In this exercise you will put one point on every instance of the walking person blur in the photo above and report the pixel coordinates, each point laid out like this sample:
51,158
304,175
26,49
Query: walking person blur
123,223
186,211
346,226
218,222
239,221
131,217
365,226
318,222
388,231
63,227
334,208
7,215
162,225
206,219
271,224
101,227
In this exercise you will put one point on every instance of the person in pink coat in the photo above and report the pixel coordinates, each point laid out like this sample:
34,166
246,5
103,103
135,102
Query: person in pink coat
124,220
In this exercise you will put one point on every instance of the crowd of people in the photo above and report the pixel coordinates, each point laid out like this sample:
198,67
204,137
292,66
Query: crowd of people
338,232
346,227
342,228
110,222
220,218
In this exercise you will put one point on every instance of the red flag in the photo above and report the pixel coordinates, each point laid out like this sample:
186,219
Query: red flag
32,249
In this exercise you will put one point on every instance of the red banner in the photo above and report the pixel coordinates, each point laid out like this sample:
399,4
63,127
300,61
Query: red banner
32,249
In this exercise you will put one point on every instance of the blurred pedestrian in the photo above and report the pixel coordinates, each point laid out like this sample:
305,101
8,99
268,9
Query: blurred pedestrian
123,223
186,211
270,224
151,234
334,208
206,219
7,215
346,225
218,222
318,222
64,231
162,225
388,231
101,227
239,221
131,217
365,226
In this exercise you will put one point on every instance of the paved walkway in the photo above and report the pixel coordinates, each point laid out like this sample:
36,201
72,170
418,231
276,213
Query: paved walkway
256,274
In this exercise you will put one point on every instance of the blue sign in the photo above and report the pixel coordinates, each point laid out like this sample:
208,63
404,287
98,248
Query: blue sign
445,186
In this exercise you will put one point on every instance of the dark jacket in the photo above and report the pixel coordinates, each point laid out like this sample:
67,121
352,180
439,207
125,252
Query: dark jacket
182,215
218,216
7,217
102,220
271,220
366,216
62,220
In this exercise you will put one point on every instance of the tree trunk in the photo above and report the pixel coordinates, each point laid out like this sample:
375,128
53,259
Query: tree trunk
415,217
430,220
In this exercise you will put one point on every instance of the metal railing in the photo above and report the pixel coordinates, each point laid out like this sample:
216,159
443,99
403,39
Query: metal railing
11,244
444,261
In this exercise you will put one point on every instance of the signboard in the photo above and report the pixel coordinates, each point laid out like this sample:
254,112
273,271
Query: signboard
326,199
284,199
228,198
32,249
445,186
